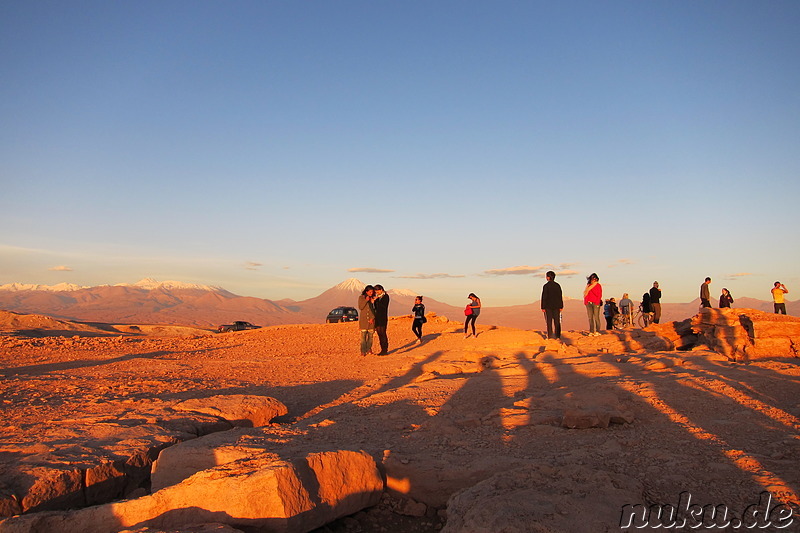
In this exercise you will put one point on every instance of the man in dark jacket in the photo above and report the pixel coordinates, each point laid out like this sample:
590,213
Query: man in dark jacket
655,302
552,305
382,318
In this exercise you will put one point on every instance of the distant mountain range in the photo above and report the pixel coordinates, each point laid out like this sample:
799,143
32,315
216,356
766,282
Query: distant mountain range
170,302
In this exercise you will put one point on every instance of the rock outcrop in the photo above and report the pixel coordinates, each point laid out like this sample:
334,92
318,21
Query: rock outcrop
102,458
748,334
254,494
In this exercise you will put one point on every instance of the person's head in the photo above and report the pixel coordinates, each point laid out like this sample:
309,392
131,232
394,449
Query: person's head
369,290
708,280
593,278
724,290
624,295
472,296
777,283
379,289
550,275
655,284
418,300
611,300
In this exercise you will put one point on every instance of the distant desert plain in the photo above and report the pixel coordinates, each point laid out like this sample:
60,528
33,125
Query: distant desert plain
110,423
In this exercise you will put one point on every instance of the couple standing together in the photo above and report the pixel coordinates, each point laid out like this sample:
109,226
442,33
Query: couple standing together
373,317
553,304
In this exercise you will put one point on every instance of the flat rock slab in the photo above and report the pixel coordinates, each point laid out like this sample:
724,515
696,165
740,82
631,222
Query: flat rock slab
543,499
260,493
102,456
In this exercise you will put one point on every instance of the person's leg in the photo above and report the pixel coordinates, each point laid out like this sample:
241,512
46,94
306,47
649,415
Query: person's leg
364,347
609,323
548,318
470,320
656,313
382,338
557,320
590,316
416,327
597,312
782,308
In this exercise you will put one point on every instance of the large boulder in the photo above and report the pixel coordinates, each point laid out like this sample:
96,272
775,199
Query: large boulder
259,493
238,409
181,461
102,457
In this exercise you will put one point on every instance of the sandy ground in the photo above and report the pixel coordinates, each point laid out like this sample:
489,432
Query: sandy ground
450,411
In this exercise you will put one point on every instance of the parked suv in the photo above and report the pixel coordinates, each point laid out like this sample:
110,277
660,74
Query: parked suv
239,325
342,314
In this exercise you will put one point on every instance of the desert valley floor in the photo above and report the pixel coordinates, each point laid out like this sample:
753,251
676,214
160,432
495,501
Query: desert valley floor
503,432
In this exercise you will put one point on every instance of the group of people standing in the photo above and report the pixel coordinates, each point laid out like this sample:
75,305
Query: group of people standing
552,303
373,318
725,299
373,309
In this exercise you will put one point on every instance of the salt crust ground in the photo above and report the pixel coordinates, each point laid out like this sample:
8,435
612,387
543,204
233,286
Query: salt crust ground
723,431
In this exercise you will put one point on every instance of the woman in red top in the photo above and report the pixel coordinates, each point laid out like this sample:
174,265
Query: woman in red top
593,300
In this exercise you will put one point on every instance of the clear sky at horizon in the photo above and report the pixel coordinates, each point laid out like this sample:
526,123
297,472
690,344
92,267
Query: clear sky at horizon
277,148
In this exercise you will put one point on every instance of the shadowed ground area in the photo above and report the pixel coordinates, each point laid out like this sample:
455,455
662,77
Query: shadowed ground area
440,417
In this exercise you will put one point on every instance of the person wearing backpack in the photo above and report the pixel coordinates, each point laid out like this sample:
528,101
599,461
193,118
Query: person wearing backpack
610,311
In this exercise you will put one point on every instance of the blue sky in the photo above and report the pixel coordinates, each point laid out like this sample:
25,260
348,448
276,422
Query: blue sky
277,148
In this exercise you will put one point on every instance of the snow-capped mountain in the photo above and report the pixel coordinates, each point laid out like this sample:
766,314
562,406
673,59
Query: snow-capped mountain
150,284
60,287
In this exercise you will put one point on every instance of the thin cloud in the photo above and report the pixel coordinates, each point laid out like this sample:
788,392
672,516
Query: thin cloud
738,275
370,270
621,262
516,271
60,268
252,265
439,275
567,273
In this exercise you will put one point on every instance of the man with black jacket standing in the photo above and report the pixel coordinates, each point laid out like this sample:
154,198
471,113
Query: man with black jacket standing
552,305
382,318
655,302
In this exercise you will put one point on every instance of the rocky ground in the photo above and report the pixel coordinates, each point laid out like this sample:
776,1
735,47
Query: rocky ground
568,433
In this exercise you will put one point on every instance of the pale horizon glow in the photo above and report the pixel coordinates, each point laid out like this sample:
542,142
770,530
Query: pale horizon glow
277,149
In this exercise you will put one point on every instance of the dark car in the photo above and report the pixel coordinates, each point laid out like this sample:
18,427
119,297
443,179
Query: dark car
239,325
342,314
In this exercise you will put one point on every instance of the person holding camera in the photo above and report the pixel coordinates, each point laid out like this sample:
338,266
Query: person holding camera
779,303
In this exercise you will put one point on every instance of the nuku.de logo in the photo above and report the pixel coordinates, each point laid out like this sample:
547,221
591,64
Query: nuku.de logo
691,515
